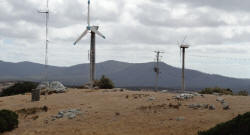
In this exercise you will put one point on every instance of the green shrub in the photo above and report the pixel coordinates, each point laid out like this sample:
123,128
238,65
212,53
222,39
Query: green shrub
243,93
238,126
105,83
19,88
216,90
8,120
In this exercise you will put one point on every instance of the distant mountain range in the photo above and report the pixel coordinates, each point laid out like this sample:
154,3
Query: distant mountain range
123,75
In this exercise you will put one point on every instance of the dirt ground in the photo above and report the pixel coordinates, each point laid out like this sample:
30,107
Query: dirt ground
121,113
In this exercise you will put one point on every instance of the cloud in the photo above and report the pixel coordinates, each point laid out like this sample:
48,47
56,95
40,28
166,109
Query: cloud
133,29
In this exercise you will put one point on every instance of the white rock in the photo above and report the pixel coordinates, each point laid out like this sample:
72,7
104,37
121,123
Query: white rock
220,99
57,87
164,91
225,106
180,118
211,107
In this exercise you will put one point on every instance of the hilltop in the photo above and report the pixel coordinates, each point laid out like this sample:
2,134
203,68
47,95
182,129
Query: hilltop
123,75
109,112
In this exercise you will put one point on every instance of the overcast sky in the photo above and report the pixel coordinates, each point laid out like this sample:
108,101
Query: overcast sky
217,30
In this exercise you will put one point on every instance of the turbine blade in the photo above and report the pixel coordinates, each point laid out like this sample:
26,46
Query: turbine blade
93,29
81,36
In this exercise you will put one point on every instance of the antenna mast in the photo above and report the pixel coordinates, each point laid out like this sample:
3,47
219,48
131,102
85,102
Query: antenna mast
157,69
46,12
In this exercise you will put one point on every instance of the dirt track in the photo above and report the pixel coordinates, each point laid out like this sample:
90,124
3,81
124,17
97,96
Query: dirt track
121,113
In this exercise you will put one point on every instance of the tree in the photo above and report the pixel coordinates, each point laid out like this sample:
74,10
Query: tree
105,83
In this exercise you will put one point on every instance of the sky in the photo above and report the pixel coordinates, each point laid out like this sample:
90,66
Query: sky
217,30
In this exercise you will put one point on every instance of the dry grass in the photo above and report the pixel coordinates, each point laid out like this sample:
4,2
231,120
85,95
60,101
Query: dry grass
120,113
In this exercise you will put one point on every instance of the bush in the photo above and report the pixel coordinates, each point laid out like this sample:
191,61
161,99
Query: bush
243,93
105,83
8,120
216,90
19,88
238,126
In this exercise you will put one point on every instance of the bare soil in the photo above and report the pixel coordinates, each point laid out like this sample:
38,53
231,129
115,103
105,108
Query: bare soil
120,113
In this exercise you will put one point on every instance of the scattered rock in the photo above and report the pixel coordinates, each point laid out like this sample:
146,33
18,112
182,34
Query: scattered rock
205,106
220,99
58,116
164,91
140,95
184,96
180,118
43,85
53,87
151,98
211,107
53,118
175,106
199,106
196,94
70,114
35,117
194,106
225,106
57,87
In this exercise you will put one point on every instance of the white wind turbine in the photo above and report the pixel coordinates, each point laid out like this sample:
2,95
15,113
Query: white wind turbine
93,30
183,48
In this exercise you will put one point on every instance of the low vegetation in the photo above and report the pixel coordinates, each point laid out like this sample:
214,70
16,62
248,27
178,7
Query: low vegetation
217,90
243,93
19,88
31,111
105,83
238,126
8,120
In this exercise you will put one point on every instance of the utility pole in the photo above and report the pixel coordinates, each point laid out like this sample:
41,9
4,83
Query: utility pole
157,69
183,49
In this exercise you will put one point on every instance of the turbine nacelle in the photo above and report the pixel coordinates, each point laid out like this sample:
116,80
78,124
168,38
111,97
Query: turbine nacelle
184,46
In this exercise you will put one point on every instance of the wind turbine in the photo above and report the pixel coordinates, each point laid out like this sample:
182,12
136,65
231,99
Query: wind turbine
93,30
183,48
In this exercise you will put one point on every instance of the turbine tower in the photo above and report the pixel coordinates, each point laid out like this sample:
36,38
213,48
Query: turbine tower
183,48
93,30
46,12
